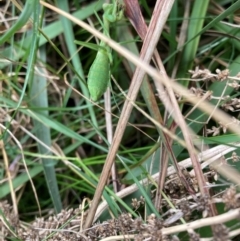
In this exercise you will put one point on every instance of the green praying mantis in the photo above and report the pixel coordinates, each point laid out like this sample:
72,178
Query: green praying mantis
99,73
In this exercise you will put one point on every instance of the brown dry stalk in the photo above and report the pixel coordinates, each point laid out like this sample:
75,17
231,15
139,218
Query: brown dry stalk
133,12
143,66
162,9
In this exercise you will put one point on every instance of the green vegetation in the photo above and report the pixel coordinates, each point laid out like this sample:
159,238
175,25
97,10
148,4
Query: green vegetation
172,134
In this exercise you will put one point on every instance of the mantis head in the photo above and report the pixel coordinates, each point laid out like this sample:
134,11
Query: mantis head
112,12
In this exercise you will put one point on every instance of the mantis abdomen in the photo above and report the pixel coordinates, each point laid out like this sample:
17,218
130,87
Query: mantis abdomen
99,75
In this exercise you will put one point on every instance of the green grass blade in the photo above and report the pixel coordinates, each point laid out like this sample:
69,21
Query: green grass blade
143,192
22,20
20,180
39,98
195,25
52,31
75,58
